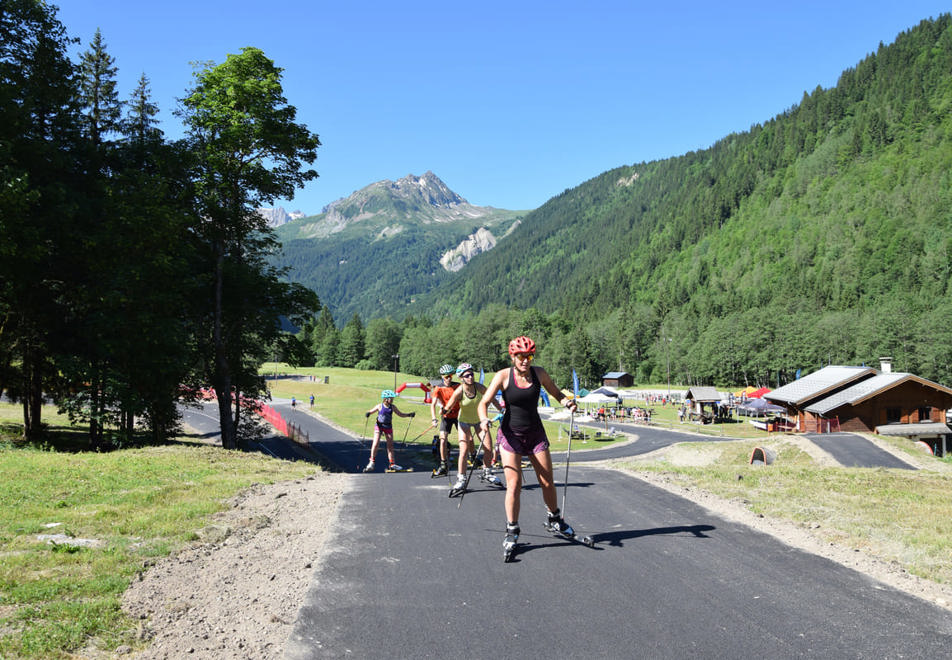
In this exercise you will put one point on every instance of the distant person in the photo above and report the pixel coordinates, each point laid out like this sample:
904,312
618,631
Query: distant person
385,411
312,401
521,434
448,415
466,398
293,402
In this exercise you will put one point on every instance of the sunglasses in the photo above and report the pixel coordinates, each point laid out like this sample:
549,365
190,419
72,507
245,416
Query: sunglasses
468,374
524,356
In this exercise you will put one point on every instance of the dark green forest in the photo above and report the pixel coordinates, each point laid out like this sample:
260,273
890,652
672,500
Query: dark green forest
132,268
823,235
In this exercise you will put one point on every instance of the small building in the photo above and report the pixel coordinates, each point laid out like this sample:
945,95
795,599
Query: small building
864,400
698,397
618,379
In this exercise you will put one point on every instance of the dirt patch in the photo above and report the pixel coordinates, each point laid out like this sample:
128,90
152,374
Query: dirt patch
236,594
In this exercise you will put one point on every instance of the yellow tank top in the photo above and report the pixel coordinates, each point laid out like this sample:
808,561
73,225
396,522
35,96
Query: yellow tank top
468,408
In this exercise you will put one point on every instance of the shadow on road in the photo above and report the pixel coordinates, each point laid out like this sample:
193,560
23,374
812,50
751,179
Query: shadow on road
617,538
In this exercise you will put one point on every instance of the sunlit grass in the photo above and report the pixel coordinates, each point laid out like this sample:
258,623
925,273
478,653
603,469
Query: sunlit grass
134,505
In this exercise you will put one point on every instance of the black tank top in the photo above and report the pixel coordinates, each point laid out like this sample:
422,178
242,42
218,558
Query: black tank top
522,411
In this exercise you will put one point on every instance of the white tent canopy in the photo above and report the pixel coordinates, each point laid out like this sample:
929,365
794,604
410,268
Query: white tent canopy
594,397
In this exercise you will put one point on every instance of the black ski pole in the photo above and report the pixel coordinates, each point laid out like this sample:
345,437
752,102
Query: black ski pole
364,432
568,459
469,474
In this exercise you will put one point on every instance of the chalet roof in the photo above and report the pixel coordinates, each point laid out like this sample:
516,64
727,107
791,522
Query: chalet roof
703,394
615,374
921,428
867,388
818,383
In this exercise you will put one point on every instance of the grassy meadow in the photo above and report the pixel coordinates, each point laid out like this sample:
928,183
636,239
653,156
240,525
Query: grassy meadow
61,596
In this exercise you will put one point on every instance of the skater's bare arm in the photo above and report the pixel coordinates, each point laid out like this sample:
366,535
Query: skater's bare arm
490,397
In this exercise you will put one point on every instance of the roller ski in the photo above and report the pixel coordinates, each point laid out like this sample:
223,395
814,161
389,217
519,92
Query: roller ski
510,543
393,467
369,467
561,529
440,470
487,477
460,486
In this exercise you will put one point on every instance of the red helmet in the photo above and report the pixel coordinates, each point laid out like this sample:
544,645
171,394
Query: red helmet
522,345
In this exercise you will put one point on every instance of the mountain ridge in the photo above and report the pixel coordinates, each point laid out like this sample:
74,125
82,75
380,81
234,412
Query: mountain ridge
405,228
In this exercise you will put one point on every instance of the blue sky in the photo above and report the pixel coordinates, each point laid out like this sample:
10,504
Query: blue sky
510,103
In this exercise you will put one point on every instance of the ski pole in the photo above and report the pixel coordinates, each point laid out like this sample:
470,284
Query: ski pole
364,432
432,424
469,475
406,432
568,453
568,458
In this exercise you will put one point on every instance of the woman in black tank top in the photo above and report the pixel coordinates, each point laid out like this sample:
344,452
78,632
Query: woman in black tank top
521,432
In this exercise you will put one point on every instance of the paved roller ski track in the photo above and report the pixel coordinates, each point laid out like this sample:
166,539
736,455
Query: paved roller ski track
409,575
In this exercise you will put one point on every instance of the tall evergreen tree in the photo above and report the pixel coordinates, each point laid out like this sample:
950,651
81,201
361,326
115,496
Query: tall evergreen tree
352,342
99,94
40,160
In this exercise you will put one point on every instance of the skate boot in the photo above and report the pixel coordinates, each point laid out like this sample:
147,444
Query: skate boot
370,467
459,486
441,470
509,543
393,467
559,527
490,478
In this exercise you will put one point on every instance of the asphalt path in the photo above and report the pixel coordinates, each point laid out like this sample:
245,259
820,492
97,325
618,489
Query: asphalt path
851,450
410,573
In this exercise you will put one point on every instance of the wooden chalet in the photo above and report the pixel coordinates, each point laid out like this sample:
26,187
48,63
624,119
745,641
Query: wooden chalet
618,379
866,400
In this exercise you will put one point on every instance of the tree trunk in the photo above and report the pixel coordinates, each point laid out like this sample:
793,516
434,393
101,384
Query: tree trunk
222,378
33,395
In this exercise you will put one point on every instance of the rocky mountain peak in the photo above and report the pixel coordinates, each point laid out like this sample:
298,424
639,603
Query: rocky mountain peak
428,189
278,216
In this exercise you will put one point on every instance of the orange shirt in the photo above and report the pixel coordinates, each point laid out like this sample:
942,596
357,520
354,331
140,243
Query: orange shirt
442,394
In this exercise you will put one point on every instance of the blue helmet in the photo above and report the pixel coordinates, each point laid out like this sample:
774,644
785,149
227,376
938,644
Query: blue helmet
388,394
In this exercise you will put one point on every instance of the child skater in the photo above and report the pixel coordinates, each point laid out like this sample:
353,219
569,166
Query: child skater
385,410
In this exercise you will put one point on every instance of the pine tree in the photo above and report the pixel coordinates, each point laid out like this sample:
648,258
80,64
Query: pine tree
98,93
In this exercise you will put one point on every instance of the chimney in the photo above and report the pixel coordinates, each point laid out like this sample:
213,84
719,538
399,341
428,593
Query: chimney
885,365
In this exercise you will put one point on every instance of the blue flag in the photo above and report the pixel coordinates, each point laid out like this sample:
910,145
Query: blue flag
481,375
545,398
574,383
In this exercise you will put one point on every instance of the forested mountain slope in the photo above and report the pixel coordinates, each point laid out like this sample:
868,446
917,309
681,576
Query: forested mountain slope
372,252
823,234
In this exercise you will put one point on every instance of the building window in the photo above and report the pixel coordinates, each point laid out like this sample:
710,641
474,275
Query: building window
925,414
893,415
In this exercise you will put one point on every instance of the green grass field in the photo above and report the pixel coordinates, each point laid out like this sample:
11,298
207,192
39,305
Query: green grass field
133,505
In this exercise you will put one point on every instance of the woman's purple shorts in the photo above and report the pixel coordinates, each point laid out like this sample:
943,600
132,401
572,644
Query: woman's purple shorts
523,441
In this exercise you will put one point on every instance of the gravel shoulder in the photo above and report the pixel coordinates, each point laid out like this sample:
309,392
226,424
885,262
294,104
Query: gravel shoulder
235,594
